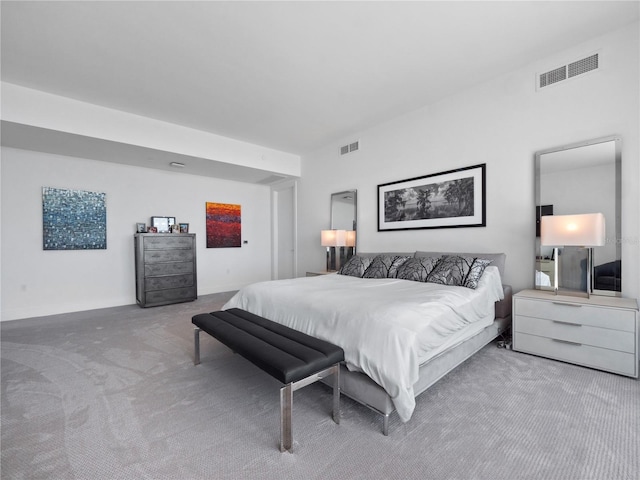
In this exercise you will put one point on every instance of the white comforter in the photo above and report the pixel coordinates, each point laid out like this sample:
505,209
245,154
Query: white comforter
385,326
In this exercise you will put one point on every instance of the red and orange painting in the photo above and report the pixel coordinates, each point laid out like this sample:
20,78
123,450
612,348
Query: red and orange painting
223,225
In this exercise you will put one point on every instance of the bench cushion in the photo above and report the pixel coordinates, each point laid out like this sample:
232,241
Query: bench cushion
286,354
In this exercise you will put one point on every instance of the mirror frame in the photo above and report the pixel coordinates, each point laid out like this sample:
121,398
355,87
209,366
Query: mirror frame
618,200
335,197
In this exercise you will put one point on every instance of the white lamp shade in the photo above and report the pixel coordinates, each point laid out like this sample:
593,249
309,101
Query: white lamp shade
586,230
351,238
333,238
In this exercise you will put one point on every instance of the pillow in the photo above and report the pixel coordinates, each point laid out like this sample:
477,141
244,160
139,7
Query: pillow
497,259
459,271
417,269
385,266
355,266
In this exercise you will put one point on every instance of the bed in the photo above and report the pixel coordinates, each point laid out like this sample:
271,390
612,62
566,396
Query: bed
404,320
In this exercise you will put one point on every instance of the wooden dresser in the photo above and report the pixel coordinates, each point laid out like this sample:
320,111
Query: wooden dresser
597,332
165,268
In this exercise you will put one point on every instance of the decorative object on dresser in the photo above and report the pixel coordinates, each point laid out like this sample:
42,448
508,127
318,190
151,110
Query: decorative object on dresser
585,231
161,224
165,268
455,198
141,228
599,332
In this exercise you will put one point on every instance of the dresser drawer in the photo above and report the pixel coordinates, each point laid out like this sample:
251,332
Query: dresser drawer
168,281
574,332
167,241
589,356
171,268
172,295
158,256
596,316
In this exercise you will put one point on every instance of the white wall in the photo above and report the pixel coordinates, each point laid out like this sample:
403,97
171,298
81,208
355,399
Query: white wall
500,123
37,282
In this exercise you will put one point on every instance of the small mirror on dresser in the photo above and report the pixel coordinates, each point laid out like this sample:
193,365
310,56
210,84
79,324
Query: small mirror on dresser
577,179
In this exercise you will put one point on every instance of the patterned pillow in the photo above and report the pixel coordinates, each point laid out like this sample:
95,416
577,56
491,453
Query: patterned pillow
355,266
460,271
417,269
385,266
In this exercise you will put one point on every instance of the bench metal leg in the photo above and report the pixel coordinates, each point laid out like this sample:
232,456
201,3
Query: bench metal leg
196,346
336,393
286,405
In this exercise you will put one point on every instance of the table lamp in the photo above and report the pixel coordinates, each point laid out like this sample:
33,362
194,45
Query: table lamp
584,230
332,239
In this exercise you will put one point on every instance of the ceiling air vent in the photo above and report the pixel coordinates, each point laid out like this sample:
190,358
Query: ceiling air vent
352,147
573,69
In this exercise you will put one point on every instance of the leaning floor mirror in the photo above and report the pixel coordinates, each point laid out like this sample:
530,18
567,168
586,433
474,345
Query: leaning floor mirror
344,207
575,180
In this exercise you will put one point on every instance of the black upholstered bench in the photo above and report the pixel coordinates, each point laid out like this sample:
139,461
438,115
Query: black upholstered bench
290,356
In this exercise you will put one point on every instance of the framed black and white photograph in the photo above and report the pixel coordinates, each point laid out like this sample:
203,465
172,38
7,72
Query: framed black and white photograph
184,228
141,227
161,224
455,198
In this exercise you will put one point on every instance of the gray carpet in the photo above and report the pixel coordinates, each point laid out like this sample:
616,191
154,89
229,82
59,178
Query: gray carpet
113,393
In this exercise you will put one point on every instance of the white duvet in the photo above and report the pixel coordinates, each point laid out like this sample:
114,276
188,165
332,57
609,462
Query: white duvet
385,326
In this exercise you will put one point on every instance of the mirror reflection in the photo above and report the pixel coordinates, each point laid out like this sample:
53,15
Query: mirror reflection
344,217
578,179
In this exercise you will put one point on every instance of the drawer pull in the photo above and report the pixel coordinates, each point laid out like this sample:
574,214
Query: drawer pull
567,342
567,304
567,323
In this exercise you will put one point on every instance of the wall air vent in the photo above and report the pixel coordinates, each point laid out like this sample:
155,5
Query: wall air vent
565,72
352,147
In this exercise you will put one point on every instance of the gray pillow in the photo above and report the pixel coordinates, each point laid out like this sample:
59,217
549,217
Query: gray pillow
459,271
355,266
497,259
417,269
385,266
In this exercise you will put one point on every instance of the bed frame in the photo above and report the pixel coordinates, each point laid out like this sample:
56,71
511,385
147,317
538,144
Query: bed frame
362,389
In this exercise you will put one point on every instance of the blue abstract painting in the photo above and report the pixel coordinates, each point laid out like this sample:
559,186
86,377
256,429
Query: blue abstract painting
73,219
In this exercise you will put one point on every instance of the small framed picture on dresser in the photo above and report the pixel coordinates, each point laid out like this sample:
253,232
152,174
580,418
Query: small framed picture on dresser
161,223
184,228
152,230
141,227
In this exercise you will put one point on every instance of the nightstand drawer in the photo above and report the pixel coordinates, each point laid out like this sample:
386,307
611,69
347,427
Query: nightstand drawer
595,316
594,357
574,332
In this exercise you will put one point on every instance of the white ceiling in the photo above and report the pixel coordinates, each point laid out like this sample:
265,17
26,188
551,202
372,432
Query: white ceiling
293,76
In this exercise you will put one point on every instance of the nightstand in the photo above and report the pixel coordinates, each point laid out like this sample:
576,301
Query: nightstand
598,332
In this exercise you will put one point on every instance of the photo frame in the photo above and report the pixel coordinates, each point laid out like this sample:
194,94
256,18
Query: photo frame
184,228
141,227
152,230
161,224
450,199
